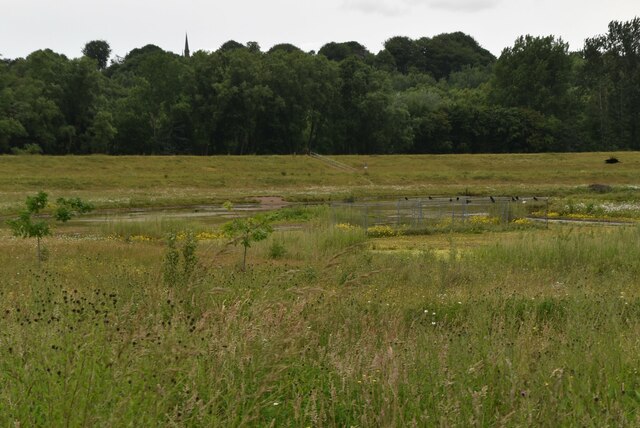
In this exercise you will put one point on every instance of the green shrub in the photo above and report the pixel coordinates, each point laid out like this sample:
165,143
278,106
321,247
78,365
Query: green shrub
172,272
28,149
277,250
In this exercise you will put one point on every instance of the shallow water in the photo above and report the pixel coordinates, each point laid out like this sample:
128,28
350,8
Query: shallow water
205,213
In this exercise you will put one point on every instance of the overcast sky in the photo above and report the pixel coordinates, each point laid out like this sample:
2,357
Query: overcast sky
66,25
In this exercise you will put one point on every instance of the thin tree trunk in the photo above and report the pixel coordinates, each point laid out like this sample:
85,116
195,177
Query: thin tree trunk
244,259
39,253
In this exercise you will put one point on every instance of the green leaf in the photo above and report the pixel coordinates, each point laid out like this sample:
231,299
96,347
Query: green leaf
36,203
68,208
63,214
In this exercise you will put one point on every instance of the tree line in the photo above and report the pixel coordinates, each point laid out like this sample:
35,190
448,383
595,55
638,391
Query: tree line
444,94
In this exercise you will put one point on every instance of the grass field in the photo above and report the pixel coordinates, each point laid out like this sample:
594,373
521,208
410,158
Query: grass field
160,181
492,326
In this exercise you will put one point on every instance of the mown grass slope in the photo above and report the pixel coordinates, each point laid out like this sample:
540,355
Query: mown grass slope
177,180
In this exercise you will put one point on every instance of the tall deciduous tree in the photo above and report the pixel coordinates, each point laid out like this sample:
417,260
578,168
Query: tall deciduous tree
98,50
612,70
433,94
152,116
535,73
231,45
404,51
339,51
449,52
286,47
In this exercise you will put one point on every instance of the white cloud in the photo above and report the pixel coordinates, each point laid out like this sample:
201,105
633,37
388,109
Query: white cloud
399,7
383,7
463,5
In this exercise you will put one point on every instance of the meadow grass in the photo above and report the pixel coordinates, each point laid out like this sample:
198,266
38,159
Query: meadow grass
136,181
503,328
480,324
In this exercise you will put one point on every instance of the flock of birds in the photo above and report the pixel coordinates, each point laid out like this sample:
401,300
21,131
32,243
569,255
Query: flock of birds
491,198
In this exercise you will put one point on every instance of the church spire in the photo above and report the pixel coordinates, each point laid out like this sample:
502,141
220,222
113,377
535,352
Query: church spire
186,52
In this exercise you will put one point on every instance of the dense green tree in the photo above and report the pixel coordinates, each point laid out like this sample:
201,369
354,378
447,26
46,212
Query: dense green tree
470,77
9,129
231,45
36,96
322,88
450,52
612,71
253,47
303,88
10,126
438,56
535,74
442,94
208,74
80,103
343,50
99,50
143,51
385,61
241,99
405,53
432,133
369,118
286,47
149,115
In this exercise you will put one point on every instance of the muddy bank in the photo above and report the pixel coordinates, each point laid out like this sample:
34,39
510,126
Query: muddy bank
212,212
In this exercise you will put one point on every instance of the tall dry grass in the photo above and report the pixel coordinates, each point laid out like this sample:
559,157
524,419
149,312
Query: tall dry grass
534,329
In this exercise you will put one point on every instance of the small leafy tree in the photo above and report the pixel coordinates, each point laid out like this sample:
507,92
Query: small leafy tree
246,231
26,226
